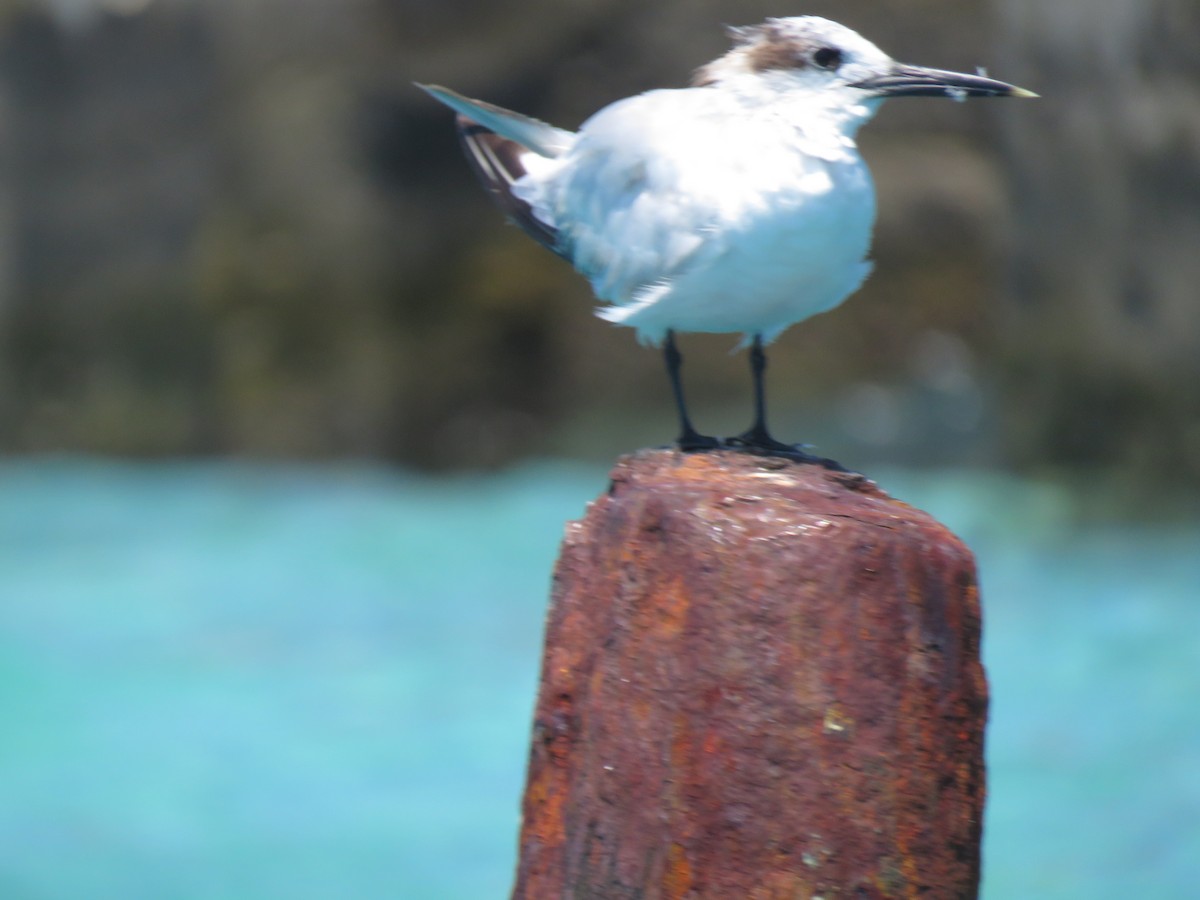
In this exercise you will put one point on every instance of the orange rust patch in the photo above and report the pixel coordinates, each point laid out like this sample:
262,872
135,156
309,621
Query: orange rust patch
544,808
677,881
673,603
900,875
695,465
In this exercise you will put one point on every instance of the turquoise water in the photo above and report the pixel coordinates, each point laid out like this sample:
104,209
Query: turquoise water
230,681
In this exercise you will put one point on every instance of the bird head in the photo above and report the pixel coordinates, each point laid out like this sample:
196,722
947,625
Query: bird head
830,64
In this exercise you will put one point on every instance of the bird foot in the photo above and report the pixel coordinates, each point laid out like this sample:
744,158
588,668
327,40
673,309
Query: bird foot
760,442
694,442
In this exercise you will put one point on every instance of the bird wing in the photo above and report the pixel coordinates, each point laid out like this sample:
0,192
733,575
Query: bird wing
632,209
499,163
498,144
532,134
613,199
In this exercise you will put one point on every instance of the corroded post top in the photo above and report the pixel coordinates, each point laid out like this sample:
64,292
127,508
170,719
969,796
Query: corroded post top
761,679
785,486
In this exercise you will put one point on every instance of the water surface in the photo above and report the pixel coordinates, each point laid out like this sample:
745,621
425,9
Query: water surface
237,681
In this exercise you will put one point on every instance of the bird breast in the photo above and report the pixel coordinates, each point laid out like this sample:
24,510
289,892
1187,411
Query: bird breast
688,212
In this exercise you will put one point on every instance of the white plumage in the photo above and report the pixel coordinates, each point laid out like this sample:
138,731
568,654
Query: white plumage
710,219
739,204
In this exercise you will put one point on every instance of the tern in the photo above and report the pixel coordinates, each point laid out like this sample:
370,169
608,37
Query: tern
737,204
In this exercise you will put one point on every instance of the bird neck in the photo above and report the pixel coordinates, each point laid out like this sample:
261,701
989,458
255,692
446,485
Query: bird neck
815,113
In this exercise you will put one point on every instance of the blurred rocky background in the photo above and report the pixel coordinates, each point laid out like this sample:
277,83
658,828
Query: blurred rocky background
234,227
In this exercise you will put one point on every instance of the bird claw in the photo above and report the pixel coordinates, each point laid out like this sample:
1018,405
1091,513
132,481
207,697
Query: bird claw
758,443
761,441
762,444
694,442
758,438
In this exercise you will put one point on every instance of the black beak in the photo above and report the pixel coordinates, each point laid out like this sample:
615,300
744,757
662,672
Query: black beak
917,81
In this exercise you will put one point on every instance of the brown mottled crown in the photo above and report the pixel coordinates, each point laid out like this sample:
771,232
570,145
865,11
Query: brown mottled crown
761,48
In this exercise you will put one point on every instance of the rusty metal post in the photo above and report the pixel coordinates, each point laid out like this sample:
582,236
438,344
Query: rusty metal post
761,680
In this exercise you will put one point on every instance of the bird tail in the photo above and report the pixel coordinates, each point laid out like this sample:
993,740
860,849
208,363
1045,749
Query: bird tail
541,138
499,158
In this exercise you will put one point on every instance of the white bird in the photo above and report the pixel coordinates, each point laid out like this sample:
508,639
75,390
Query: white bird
738,204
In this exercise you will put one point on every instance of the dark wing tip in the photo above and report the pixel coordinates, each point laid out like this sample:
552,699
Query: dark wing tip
497,162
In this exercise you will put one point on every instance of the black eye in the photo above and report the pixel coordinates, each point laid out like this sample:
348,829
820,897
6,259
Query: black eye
827,57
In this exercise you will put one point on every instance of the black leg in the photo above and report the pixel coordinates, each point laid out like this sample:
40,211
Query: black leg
758,437
689,438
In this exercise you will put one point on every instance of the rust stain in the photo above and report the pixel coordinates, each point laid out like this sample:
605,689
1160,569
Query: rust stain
544,800
738,704
677,880
672,606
